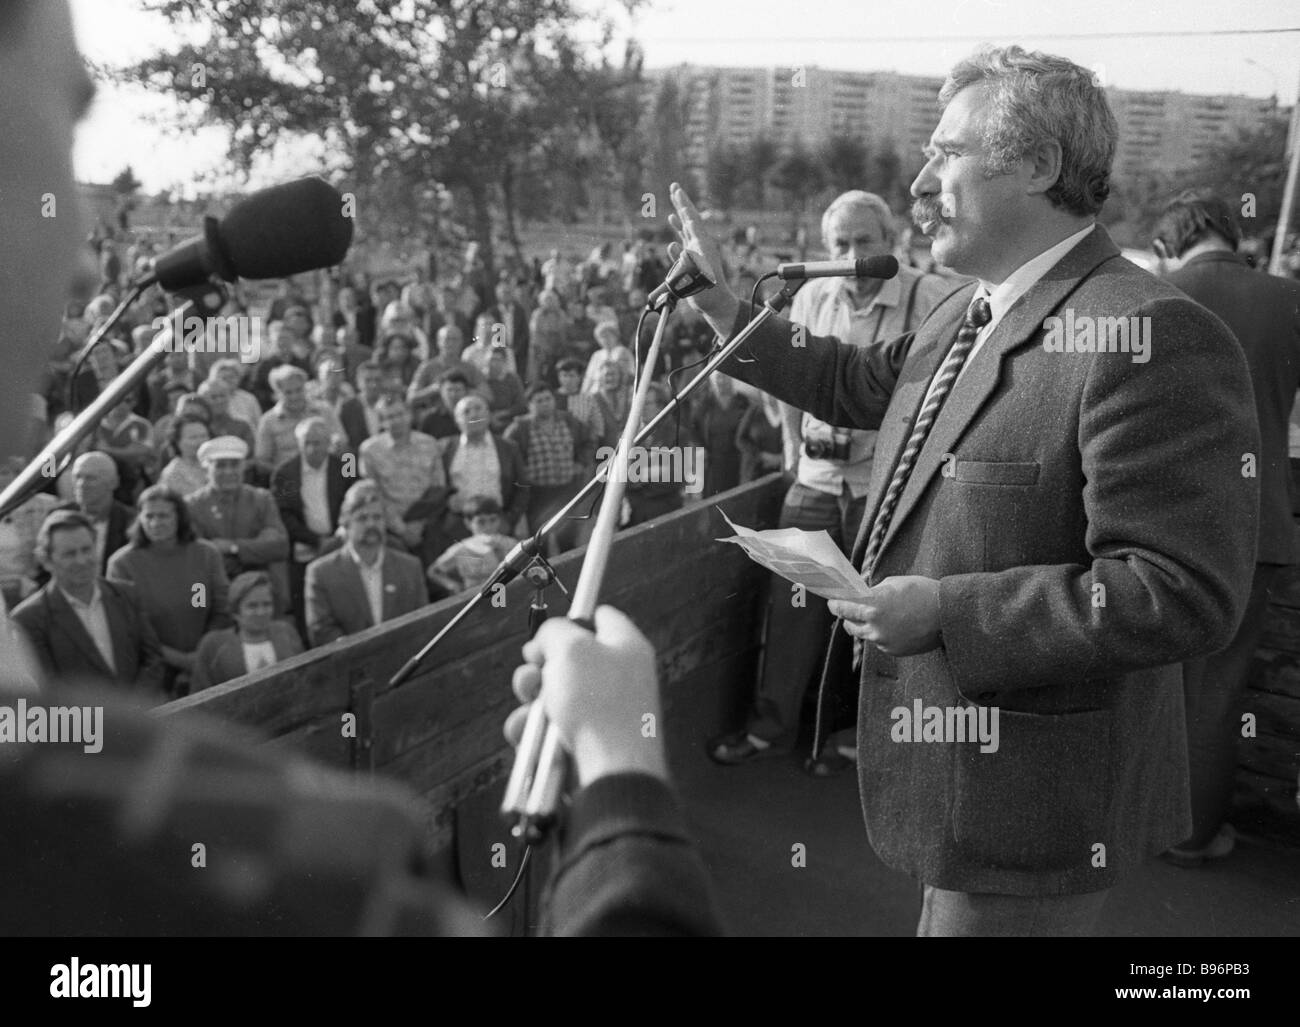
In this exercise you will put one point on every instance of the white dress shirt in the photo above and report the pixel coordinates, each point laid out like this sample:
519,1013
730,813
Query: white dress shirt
94,618
315,498
476,470
101,541
372,579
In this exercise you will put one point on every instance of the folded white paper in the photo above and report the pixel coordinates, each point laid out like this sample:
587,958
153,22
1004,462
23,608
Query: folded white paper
807,558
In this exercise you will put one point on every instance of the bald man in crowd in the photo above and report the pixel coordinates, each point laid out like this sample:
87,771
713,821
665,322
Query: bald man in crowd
94,480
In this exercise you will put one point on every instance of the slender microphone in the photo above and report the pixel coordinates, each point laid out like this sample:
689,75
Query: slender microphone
864,267
273,233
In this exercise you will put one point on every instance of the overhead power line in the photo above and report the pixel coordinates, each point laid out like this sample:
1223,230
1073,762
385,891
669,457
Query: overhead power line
968,37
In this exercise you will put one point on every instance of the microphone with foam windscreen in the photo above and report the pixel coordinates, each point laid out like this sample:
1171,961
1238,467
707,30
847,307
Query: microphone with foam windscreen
866,267
276,232
691,273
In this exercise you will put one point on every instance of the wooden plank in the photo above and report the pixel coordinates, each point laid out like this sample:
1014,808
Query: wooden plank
1281,629
441,801
1271,755
1277,715
1266,806
1275,673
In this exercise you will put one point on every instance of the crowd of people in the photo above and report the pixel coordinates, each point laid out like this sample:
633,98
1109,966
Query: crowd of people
370,447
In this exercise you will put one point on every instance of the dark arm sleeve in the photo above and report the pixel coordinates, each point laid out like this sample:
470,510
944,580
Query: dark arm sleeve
627,866
844,385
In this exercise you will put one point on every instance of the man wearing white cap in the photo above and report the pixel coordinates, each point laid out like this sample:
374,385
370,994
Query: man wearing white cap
242,521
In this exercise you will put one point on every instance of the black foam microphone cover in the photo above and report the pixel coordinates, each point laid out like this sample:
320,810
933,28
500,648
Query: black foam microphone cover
286,229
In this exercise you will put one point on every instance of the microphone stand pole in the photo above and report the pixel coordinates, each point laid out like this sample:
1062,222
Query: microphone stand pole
537,777
46,463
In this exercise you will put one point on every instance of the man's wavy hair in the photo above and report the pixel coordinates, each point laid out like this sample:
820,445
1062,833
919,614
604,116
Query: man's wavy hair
1034,97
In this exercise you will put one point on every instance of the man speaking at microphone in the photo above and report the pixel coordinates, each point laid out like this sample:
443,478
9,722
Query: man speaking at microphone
1060,512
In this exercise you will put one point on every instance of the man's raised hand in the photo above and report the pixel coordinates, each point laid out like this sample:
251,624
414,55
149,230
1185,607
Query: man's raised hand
719,304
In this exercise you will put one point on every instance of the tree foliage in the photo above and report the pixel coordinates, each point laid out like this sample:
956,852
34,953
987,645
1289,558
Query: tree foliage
473,94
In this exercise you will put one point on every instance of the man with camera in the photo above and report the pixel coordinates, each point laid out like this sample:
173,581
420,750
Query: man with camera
831,468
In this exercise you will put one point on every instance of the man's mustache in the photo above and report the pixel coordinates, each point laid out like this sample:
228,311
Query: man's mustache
926,211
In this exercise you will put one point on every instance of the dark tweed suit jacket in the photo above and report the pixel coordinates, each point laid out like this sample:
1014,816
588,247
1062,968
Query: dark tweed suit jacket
1263,312
1090,526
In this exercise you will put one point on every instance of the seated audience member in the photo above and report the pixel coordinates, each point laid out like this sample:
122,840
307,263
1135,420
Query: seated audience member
184,474
488,332
358,415
282,348
94,481
481,464
309,491
256,642
81,625
396,354
347,341
179,579
242,521
218,395
611,351
614,401
439,420
19,571
186,404
548,332
660,491
364,583
716,420
426,384
276,441
407,467
468,564
556,453
509,312
400,319
163,384
758,437
329,388
581,405
243,404
125,437
505,390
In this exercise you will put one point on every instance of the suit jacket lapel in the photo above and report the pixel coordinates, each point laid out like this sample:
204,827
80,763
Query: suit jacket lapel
388,588
118,628
1021,325
354,586
62,613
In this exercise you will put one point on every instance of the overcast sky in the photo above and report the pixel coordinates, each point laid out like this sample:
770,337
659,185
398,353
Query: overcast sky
856,35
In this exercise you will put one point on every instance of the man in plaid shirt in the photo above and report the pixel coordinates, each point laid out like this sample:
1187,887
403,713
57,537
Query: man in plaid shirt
557,452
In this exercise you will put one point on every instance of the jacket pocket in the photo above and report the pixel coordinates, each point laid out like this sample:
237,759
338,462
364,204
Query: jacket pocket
989,472
1040,801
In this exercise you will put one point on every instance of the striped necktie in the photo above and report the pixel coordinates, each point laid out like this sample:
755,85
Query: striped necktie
977,316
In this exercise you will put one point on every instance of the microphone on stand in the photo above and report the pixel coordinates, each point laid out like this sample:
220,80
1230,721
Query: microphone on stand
274,233
691,273
864,267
